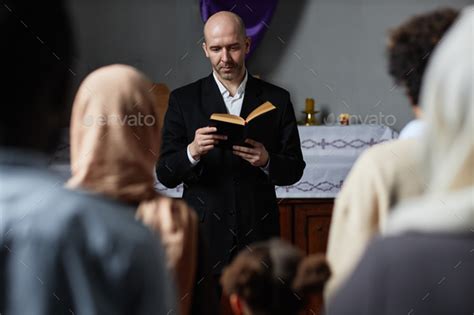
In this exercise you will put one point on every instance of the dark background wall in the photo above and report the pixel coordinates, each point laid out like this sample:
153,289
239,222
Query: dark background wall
331,50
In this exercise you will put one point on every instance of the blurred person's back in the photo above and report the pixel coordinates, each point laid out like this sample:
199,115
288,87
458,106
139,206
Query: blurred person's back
64,251
61,252
425,263
388,173
414,273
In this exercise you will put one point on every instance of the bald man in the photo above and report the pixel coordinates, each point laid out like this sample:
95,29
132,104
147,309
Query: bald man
233,191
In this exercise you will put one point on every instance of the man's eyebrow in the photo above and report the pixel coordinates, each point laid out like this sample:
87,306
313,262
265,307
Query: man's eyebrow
229,45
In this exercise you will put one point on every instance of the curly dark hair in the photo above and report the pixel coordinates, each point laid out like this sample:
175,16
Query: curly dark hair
411,44
275,278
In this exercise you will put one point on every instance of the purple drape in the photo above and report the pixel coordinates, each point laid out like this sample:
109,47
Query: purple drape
256,15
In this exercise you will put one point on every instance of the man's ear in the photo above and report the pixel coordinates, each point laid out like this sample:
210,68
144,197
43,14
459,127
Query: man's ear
248,42
236,304
204,47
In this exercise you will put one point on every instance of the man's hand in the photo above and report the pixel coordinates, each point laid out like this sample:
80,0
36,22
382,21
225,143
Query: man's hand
257,155
204,140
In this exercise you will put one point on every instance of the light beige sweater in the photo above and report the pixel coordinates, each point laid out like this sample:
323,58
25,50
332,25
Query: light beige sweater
383,175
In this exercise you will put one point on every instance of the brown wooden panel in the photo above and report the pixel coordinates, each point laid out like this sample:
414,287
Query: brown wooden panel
311,229
300,227
305,227
317,233
286,222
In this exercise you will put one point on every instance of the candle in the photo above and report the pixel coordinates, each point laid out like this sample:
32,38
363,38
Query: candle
309,105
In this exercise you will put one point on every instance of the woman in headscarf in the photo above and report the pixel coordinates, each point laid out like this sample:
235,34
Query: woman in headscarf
425,263
115,141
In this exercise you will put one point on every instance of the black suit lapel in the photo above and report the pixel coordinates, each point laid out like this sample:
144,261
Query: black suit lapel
211,98
252,96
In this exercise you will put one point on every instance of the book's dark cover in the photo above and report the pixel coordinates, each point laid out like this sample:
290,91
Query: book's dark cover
236,134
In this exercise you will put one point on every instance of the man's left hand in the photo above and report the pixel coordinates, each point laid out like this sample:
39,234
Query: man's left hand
257,155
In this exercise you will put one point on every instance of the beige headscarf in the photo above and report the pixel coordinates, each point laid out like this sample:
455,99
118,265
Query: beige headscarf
115,139
113,152
448,146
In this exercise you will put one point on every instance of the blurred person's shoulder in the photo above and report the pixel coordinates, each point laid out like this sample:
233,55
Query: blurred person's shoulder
391,155
414,129
400,257
396,165
35,205
394,150
76,240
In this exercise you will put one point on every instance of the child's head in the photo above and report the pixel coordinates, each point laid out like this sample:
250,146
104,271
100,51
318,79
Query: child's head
273,277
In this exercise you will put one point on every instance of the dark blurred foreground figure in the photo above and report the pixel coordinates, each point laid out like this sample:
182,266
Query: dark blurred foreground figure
61,252
115,145
426,263
273,278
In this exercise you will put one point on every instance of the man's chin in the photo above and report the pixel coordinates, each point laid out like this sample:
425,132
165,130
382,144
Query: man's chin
227,76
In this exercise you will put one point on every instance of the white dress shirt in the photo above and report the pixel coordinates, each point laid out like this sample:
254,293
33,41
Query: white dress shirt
414,129
233,103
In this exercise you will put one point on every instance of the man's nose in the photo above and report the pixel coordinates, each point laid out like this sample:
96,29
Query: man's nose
225,55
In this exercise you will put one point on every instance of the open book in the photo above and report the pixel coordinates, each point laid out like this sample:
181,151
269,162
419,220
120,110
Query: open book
236,128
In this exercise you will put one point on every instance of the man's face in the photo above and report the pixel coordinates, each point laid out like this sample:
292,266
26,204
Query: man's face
226,49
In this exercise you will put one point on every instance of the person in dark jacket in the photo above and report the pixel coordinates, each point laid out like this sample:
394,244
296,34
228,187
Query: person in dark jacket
232,190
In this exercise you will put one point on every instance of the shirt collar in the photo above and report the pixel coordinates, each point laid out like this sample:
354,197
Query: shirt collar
225,92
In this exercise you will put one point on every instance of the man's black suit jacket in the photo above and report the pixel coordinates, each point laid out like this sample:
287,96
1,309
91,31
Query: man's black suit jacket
235,201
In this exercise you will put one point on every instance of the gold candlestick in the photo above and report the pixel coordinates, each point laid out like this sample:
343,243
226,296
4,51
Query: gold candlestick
309,108
309,119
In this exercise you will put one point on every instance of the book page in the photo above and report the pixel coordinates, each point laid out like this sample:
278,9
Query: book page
229,118
262,109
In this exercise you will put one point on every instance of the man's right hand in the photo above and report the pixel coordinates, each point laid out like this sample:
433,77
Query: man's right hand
204,140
